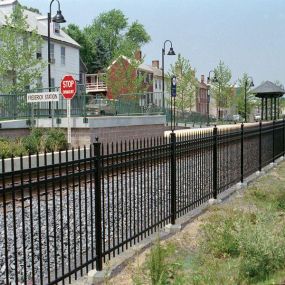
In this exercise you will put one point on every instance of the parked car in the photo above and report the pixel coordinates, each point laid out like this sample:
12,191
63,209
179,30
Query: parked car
101,106
236,117
257,117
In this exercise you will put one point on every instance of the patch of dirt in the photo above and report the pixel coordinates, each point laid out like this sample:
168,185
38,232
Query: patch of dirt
187,239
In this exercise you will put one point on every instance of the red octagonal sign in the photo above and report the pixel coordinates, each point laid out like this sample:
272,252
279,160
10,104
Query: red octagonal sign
68,87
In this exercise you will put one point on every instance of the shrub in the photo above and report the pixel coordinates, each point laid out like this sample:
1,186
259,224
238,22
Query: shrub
9,148
55,140
5,149
31,144
262,247
35,141
220,234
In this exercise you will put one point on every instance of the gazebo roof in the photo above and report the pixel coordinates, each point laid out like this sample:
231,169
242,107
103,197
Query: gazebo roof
268,90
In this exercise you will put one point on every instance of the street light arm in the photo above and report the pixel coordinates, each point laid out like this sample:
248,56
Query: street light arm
167,41
51,4
209,76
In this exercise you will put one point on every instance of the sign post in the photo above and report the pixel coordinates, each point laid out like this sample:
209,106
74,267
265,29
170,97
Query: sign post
68,91
173,96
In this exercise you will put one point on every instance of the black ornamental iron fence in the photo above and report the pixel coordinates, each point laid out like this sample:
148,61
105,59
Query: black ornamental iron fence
64,213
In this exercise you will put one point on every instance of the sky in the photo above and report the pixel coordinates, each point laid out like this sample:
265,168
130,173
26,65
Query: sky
247,35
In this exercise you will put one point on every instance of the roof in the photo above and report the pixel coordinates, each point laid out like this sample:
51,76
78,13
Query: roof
142,66
7,2
268,88
39,23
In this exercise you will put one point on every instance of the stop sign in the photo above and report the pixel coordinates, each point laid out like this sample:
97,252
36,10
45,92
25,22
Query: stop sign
68,87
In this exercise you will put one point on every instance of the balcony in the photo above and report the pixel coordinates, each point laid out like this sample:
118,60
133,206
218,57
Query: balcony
96,83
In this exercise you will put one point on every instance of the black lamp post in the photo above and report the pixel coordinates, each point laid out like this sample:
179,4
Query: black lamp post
250,84
170,52
209,80
58,18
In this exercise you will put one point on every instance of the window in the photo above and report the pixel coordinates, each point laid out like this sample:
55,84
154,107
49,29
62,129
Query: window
156,84
56,28
62,55
52,82
39,53
52,59
39,82
159,81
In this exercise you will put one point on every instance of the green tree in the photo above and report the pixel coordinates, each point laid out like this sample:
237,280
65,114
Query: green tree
86,48
124,77
251,101
19,67
101,56
186,84
109,35
221,88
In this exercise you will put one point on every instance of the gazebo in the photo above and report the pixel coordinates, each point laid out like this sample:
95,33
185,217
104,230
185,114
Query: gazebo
270,94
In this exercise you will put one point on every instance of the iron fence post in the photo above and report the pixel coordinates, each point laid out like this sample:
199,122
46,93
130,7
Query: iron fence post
98,209
283,134
215,162
260,146
241,151
173,178
273,141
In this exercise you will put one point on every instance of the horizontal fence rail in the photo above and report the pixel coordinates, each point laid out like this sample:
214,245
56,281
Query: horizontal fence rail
65,213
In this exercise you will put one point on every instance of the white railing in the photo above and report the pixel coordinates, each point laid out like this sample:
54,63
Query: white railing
95,82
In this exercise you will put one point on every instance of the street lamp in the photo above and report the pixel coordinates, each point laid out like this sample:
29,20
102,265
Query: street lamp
209,80
170,52
58,18
250,84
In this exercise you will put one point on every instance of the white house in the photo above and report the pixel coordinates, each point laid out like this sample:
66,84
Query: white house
65,57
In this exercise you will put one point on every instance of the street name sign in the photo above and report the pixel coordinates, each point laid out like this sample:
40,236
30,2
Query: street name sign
43,97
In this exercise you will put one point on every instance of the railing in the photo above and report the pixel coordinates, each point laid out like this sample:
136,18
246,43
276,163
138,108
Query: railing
82,105
96,82
101,86
58,220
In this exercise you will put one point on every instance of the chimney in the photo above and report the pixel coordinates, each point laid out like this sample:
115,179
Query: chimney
155,63
138,55
202,78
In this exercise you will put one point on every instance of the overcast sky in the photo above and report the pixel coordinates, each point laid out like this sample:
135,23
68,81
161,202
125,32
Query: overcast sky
248,35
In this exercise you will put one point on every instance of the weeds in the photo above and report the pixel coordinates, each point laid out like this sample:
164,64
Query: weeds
239,244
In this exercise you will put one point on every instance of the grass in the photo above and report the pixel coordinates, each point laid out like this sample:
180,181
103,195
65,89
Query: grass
239,243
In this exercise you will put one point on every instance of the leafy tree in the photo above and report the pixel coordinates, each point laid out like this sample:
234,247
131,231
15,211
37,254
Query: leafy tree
86,48
101,55
19,67
186,84
251,101
221,88
123,77
108,37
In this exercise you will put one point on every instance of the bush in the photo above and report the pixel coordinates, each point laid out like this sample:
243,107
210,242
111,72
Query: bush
31,144
253,241
5,148
55,140
38,141
261,251
220,236
9,148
